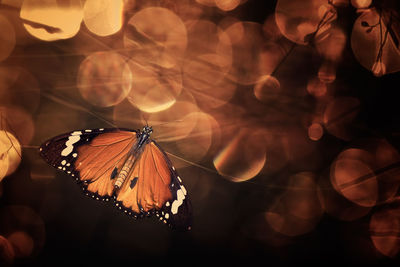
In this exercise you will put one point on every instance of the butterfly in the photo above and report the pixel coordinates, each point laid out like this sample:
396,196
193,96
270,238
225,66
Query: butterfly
123,167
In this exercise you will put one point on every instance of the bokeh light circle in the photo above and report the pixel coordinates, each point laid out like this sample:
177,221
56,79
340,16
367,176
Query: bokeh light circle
267,88
51,20
243,157
316,87
175,123
315,131
227,5
103,17
384,228
372,49
196,145
154,88
361,3
299,19
367,175
161,41
104,79
10,153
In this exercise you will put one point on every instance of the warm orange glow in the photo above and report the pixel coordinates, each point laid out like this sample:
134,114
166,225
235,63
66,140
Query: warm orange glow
299,19
175,123
327,72
209,55
216,95
332,46
247,44
267,88
7,39
103,17
154,88
367,175
49,20
378,69
315,131
160,41
384,227
104,79
206,2
227,5
270,29
243,157
272,55
361,3
196,145
316,87
346,177
336,205
369,46
10,153
12,3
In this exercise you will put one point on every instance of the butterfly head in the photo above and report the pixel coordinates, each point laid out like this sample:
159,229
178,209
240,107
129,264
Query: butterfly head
147,130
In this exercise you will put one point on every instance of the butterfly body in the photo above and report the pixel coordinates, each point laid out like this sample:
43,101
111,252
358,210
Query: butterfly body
123,167
133,156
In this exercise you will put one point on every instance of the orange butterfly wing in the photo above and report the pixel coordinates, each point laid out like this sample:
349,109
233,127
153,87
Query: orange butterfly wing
90,156
95,157
155,187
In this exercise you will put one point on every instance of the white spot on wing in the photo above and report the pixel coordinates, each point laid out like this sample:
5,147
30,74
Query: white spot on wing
63,162
183,190
177,202
88,131
74,155
72,139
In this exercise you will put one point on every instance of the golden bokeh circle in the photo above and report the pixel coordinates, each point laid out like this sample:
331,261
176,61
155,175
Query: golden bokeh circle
104,79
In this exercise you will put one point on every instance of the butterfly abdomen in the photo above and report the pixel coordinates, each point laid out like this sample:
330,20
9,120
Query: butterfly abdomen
125,171
129,164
